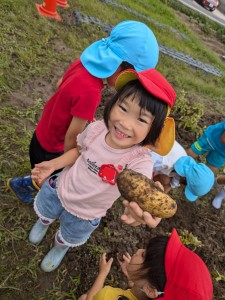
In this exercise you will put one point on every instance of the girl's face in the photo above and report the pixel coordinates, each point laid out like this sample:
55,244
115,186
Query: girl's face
128,124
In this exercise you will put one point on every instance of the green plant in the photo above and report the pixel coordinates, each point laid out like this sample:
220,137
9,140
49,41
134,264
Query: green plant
189,114
217,276
164,1
95,250
57,291
106,232
188,238
32,113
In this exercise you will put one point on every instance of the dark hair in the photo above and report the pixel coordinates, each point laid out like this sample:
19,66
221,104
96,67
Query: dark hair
157,107
125,65
153,267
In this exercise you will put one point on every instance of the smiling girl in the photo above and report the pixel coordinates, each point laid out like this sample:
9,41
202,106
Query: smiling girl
86,188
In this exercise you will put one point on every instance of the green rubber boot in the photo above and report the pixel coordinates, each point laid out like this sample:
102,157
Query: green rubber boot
54,257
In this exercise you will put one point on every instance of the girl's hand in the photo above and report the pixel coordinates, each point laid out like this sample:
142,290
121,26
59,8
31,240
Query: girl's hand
104,265
133,215
42,171
123,263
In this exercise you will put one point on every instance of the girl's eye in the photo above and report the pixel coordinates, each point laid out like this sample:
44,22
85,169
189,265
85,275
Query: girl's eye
143,120
122,108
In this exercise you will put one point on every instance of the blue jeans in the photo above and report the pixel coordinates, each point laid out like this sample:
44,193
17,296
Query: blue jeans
73,230
213,158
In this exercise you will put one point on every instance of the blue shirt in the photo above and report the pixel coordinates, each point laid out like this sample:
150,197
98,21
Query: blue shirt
214,133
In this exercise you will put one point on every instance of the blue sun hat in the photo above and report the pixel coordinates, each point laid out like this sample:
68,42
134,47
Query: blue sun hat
129,41
199,177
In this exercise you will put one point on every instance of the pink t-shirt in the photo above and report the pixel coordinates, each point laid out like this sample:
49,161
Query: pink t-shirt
80,188
78,96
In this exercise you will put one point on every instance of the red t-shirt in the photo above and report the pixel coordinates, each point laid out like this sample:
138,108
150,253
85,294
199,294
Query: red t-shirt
78,96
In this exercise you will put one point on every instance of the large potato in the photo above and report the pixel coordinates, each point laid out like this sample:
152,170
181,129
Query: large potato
134,186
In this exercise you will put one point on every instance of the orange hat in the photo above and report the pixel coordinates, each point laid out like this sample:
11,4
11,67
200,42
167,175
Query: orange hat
158,86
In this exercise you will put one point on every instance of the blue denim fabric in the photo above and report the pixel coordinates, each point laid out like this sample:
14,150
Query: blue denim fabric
74,231
213,157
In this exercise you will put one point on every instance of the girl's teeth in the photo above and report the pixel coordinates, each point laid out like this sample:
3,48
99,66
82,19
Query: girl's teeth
122,134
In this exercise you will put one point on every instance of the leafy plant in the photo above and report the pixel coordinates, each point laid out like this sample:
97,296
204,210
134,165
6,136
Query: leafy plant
106,232
217,276
32,113
189,114
188,238
95,250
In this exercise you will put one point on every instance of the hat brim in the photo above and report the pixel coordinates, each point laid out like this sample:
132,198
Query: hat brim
100,60
125,77
152,80
188,194
166,139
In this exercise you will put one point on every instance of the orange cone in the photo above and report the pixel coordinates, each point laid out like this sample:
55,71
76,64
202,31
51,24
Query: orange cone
48,9
62,3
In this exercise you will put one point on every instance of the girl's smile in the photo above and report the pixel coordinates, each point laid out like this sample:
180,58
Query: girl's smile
120,134
128,124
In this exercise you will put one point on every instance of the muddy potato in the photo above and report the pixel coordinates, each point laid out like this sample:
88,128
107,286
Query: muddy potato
134,186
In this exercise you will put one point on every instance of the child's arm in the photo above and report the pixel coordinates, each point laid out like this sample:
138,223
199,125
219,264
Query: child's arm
59,82
104,268
77,125
223,138
44,169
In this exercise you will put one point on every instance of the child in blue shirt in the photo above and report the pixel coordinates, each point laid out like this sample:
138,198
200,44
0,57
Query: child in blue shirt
212,142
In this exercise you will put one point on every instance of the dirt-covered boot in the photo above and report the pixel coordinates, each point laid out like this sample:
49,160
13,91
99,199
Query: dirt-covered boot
54,257
23,187
38,231
217,201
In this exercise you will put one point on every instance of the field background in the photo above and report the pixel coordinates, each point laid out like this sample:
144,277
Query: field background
35,52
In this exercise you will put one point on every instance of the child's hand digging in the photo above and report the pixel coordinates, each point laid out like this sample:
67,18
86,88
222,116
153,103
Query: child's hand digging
104,265
123,264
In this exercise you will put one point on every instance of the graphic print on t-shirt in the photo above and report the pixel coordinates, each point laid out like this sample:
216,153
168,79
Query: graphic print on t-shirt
92,166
